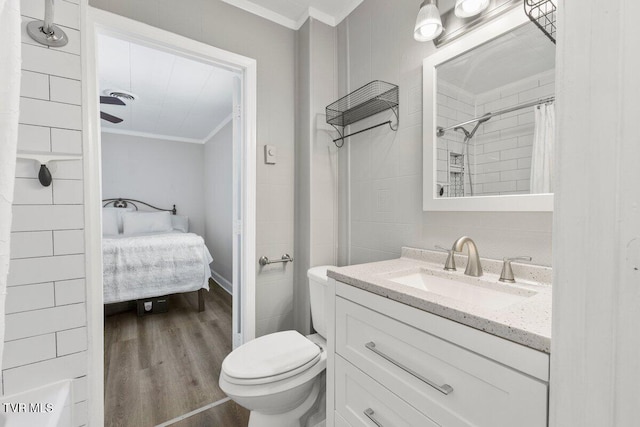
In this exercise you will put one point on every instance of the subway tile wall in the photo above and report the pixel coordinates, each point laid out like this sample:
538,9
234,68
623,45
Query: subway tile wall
46,329
500,152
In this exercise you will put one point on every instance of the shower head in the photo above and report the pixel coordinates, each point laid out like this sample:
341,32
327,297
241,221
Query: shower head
466,132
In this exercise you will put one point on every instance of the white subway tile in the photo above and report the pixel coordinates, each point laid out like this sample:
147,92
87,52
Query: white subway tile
67,242
519,174
39,270
504,123
71,341
45,321
29,297
47,217
67,14
497,187
523,185
67,192
29,350
26,377
80,389
34,138
504,144
66,141
74,45
34,85
47,113
66,90
66,170
69,291
31,244
27,168
80,414
516,153
29,191
51,61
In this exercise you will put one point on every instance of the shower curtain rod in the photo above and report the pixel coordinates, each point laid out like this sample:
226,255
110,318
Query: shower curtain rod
488,116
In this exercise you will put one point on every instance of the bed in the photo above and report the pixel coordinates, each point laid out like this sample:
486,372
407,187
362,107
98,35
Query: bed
150,254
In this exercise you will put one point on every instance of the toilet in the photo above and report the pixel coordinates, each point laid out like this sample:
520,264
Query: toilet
279,377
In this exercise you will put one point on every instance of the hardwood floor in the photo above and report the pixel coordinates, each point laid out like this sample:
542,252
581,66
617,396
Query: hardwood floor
161,366
226,414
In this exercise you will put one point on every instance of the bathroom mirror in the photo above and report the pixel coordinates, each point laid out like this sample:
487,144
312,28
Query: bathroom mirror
489,120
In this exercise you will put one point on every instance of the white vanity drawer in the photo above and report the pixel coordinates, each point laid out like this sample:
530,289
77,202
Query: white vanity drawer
364,402
451,385
339,421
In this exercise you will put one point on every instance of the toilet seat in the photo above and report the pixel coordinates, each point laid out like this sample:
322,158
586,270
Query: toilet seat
271,358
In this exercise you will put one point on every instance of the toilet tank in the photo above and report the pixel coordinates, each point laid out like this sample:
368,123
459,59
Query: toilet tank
318,296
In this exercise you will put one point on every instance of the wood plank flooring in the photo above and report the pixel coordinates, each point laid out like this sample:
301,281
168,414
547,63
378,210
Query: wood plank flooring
161,366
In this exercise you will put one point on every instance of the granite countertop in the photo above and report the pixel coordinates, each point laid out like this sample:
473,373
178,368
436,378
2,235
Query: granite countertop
526,322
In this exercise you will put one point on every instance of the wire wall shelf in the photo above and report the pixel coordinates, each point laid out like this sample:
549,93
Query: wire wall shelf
372,98
543,14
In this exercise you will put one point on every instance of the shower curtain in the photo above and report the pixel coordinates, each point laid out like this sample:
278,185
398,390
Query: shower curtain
542,152
10,62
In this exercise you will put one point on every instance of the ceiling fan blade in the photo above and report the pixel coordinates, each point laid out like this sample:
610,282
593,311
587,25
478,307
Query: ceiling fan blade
111,100
109,117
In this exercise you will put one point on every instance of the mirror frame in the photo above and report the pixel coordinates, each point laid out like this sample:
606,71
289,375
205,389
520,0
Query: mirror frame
430,202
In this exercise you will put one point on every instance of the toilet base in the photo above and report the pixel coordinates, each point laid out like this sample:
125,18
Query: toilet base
287,419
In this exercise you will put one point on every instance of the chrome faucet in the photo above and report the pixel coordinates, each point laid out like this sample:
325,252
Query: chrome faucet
473,263
450,264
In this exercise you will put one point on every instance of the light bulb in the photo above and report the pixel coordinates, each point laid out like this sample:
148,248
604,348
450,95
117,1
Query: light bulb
468,8
428,24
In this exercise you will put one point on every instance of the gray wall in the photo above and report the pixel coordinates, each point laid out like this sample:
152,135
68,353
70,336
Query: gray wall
218,199
273,46
159,172
316,161
385,167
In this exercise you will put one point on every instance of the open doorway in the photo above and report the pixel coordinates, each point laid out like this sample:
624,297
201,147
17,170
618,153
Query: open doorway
175,144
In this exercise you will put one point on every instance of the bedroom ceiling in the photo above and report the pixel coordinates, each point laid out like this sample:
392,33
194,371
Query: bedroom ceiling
178,99
293,13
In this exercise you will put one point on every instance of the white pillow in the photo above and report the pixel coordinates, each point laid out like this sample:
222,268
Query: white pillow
180,223
146,222
119,213
109,222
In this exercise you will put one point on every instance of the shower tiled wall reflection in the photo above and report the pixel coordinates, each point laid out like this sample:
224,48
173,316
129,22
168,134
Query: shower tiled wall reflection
500,151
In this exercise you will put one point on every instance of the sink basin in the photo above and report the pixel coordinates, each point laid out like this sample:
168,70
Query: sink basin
488,295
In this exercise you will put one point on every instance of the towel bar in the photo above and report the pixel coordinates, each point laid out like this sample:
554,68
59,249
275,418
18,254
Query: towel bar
265,261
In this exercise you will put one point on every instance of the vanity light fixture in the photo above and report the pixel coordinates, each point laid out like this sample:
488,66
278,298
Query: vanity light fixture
428,24
468,8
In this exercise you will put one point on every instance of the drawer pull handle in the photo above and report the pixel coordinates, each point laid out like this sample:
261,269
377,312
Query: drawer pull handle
444,389
370,414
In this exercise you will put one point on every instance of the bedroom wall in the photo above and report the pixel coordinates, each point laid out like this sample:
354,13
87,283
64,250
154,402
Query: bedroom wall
159,172
273,46
218,199
385,167
46,334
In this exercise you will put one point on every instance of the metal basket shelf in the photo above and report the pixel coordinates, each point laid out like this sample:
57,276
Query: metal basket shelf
372,98
543,14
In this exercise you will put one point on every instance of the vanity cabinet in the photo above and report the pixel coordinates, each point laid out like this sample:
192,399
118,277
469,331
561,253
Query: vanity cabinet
394,365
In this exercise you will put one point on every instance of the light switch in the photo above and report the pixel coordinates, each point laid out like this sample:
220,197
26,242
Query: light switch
270,154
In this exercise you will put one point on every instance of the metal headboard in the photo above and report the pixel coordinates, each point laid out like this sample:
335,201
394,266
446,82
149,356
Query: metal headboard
123,203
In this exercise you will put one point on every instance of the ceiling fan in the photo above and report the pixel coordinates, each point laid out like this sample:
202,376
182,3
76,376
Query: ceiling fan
110,100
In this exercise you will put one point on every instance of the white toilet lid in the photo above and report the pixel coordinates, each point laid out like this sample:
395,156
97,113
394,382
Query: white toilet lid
270,356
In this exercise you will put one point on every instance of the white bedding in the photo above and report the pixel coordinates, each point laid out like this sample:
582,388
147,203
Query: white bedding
152,265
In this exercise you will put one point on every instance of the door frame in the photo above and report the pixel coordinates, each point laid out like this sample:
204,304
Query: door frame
95,22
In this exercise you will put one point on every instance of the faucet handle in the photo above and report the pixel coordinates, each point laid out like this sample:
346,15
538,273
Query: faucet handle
450,264
507,272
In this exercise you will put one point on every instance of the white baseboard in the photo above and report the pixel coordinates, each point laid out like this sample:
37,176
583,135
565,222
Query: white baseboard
224,283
